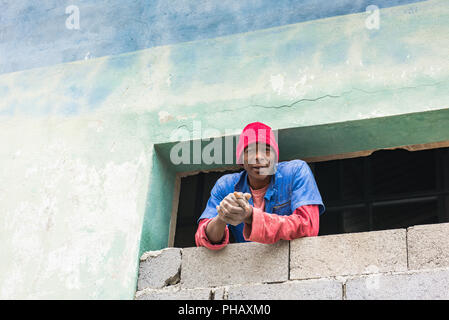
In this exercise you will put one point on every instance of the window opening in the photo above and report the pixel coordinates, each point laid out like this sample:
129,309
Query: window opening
387,190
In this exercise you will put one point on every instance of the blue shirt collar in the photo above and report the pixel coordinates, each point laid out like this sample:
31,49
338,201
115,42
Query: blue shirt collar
242,184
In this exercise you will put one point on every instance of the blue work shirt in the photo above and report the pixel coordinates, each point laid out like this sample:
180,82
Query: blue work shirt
293,185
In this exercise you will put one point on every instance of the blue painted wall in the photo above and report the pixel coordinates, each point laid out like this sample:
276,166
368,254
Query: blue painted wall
34,34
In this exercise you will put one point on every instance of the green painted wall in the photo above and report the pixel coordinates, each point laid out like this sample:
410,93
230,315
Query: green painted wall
82,187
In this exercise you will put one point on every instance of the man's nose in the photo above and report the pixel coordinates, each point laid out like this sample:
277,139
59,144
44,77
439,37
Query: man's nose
260,156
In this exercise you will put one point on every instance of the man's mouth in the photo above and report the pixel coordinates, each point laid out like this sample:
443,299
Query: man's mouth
257,168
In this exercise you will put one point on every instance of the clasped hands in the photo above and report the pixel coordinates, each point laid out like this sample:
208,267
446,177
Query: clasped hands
235,209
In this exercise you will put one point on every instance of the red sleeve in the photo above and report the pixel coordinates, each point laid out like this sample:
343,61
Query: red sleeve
201,239
269,228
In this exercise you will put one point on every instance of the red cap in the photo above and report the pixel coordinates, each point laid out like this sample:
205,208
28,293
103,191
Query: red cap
256,132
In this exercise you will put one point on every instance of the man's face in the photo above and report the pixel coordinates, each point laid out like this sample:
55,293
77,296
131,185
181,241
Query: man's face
259,160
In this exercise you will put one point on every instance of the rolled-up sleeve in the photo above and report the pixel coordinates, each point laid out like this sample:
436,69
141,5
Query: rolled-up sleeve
202,240
270,228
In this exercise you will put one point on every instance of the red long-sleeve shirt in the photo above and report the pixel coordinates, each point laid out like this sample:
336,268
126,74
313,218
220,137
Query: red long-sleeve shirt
269,227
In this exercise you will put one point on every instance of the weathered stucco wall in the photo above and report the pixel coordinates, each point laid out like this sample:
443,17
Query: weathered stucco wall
410,263
72,196
82,189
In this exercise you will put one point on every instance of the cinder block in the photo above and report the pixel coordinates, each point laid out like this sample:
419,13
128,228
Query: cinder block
174,293
348,254
237,263
159,268
413,285
318,289
428,246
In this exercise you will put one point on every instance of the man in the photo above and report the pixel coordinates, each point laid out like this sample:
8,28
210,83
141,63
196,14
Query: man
266,202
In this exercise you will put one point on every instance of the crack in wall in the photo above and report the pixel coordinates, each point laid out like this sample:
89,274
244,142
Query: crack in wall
332,97
175,279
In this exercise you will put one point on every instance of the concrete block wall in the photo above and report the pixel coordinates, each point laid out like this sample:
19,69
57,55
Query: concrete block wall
410,263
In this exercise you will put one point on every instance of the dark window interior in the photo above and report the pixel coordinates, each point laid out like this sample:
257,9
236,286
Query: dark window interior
388,189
